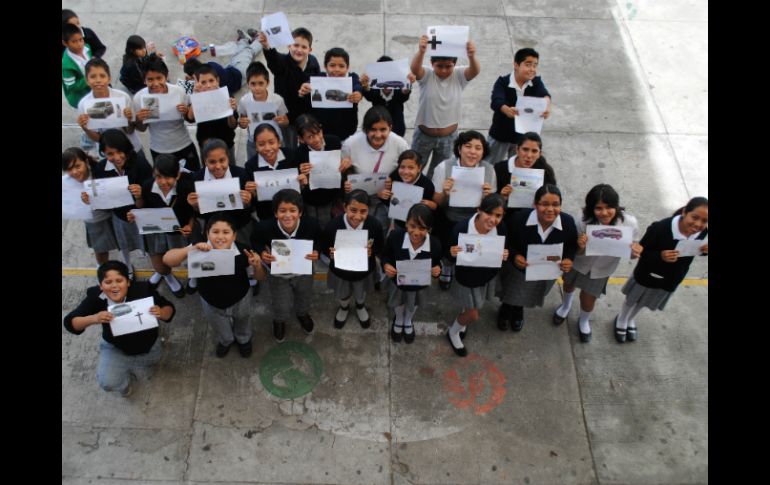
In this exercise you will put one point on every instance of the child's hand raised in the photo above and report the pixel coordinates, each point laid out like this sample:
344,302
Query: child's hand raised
263,40
506,191
155,311
423,43
470,47
233,104
304,168
364,81
128,113
312,256
435,271
251,186
669,256
267,257
83,121
130,217
582,240
636,250
455,250
354,97
509,111
202,246
253,257
304,90
520,261
245,197
136,190
104,317
345,164
348,186
143,114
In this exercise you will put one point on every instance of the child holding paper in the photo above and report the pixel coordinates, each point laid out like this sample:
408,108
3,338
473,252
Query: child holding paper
408,244
392,99
409,171
118,355
288,223
660,269
591,273
474,285
544,224
223,297
529,154
348,284
258,80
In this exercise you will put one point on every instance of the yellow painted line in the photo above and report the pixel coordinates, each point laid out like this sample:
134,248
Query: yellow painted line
322,276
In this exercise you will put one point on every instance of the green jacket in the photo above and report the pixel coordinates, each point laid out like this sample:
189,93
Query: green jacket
72,79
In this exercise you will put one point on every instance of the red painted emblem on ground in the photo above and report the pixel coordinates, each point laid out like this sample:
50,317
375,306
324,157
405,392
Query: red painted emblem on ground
475,383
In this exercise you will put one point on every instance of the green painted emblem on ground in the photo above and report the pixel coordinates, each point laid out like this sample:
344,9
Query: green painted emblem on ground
290,370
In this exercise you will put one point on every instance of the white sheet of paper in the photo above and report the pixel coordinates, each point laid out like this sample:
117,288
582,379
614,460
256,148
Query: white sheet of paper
290,256
414,272
276,28
447,41
108,193
370,182
347,238
132,316
153,221
543,260
325,169
72,205
525,182
260,112
467,190
330,92
403,198
214,262
351,259
388,74
530,114
609,241
690,247
219,195
211,105
105,113
162,106
485,251
269,182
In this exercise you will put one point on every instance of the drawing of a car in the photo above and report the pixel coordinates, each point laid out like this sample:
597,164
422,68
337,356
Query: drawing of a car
151,227
268,116
529,110
220,204
607,233
552,258
207,266
275,30
281,248
388,84
101,110
122,309
336,95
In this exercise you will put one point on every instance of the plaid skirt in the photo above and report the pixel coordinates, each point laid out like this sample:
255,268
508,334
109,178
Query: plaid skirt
470,298
398,297
652,298
595,287
160,243
344,288
127,234
100,236
516,291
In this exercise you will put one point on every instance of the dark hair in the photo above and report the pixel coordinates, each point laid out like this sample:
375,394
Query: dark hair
265,127
133,43
522,54
602,193
384,59
336,52
422,215
219,217
304,33
97,62
358,195
376,114
117,139
491,202
288,196
466,137
212,144
541,163
71,154
166,165
67,14
112,265
257,69
409,155
306,122
436,59
153,62
547,189
693,204
204,69
68,30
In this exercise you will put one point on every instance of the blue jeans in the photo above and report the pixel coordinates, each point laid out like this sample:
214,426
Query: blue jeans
114,366
441,147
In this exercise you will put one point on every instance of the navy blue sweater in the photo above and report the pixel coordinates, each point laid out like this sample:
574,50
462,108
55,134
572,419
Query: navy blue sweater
472,276
503,128
288,79
339,122
395,252
522,235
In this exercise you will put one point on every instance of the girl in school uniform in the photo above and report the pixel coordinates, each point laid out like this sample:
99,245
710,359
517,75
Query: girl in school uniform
121,160
591,273
99,233
409,171
545,224
405,244
223,297
118,355
168,188
474,285
470,148
348,285
660,269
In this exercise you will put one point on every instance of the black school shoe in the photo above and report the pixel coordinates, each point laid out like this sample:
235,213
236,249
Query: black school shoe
190,289
557,320
517,325
245,349
306,323
279,330
180,293
503,317
620,334
631,334
222,350
409,337
584,337
396,336
461,352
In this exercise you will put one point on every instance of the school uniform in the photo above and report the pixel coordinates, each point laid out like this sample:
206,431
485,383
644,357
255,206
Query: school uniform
340,122
346,283
654,280
176,199
243,110
420,181
137,172
319,202
398,247
503,171
289,77
525,230
393,102
473,286
242,217
119,354
224,301
219,128
283,287
99,233
285,159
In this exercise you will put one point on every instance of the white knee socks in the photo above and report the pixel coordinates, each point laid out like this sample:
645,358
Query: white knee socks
563,310
408,325
172,282
454,334
624,314
585,324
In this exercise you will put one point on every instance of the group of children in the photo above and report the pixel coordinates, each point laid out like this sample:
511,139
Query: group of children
431,229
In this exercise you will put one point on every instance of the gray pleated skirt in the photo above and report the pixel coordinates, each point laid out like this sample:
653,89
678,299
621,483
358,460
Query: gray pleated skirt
652,298
100,236
398,297
470,298
127,235
344,288
595,287
160,243
516,291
